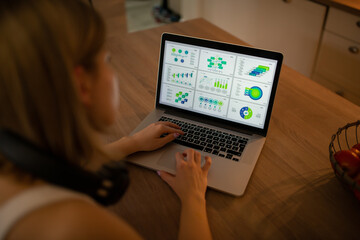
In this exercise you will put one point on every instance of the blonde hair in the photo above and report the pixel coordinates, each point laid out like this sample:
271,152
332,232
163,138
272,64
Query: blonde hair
41,43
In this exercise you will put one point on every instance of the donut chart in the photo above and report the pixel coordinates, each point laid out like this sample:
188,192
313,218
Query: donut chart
255,93
246,113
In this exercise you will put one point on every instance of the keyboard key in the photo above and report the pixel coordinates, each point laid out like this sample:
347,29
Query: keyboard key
209,140
233,152
208,150
190,145
216,152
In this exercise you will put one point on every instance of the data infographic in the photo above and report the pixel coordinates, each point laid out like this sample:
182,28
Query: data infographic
212,83
182,55
217,83
180,76
217,62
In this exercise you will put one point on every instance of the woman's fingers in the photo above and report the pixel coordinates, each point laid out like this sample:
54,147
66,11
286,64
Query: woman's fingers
168,138
167,129
190,155
170,124
179,159
197,158
207,165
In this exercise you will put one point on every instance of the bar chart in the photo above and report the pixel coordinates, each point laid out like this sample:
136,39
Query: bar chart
180,76
255,70
213,83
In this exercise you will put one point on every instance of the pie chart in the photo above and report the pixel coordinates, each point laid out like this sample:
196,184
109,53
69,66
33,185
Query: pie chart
246,113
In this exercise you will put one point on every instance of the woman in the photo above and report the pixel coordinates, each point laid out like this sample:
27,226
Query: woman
58,91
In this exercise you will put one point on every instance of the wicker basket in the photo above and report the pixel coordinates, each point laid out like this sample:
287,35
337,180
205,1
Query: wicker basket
344,138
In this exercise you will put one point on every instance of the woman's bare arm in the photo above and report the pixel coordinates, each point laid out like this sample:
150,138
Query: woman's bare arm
190,185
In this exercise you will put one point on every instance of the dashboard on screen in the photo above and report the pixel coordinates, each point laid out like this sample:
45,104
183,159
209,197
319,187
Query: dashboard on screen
222,84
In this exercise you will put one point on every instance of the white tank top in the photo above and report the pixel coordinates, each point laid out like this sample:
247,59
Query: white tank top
31,199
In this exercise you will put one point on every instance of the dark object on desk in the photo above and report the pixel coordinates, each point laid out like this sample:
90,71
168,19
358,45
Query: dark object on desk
106,186
164,14
340,141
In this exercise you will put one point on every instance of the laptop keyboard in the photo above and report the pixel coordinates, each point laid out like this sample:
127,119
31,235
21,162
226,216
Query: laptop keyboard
209,140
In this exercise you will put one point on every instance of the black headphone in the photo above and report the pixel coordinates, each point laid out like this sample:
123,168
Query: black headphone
105,186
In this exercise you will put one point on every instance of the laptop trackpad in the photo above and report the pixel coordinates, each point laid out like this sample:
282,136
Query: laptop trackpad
167,159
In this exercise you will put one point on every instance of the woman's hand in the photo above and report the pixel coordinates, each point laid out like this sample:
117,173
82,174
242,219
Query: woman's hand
190,181
152,137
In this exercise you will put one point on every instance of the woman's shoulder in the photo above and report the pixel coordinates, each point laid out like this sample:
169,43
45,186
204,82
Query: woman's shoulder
72,219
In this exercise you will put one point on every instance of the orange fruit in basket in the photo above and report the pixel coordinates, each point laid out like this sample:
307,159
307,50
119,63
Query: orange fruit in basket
349,161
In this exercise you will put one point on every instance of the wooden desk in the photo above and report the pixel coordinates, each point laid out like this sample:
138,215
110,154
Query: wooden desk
292,193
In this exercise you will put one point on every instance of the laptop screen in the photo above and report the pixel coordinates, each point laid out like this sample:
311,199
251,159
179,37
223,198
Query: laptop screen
228,85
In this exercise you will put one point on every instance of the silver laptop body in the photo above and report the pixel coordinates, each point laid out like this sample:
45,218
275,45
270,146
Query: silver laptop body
217,90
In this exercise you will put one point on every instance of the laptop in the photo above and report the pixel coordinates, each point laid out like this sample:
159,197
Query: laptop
221,95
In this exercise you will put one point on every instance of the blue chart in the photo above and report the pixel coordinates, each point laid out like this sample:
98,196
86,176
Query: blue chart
255,69
178,54
174,95
252,92
246,113
180,76
217,62
255,93
210,103
183,56
259,71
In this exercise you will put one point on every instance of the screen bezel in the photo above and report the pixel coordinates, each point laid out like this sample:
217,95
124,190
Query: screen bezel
224,47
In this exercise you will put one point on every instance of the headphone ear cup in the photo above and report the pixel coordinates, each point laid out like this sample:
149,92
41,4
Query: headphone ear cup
115,181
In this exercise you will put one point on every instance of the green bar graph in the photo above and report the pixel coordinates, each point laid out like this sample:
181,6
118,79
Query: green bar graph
220,84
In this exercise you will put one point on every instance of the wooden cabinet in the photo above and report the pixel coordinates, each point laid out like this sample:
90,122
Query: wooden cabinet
292,27
338,63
